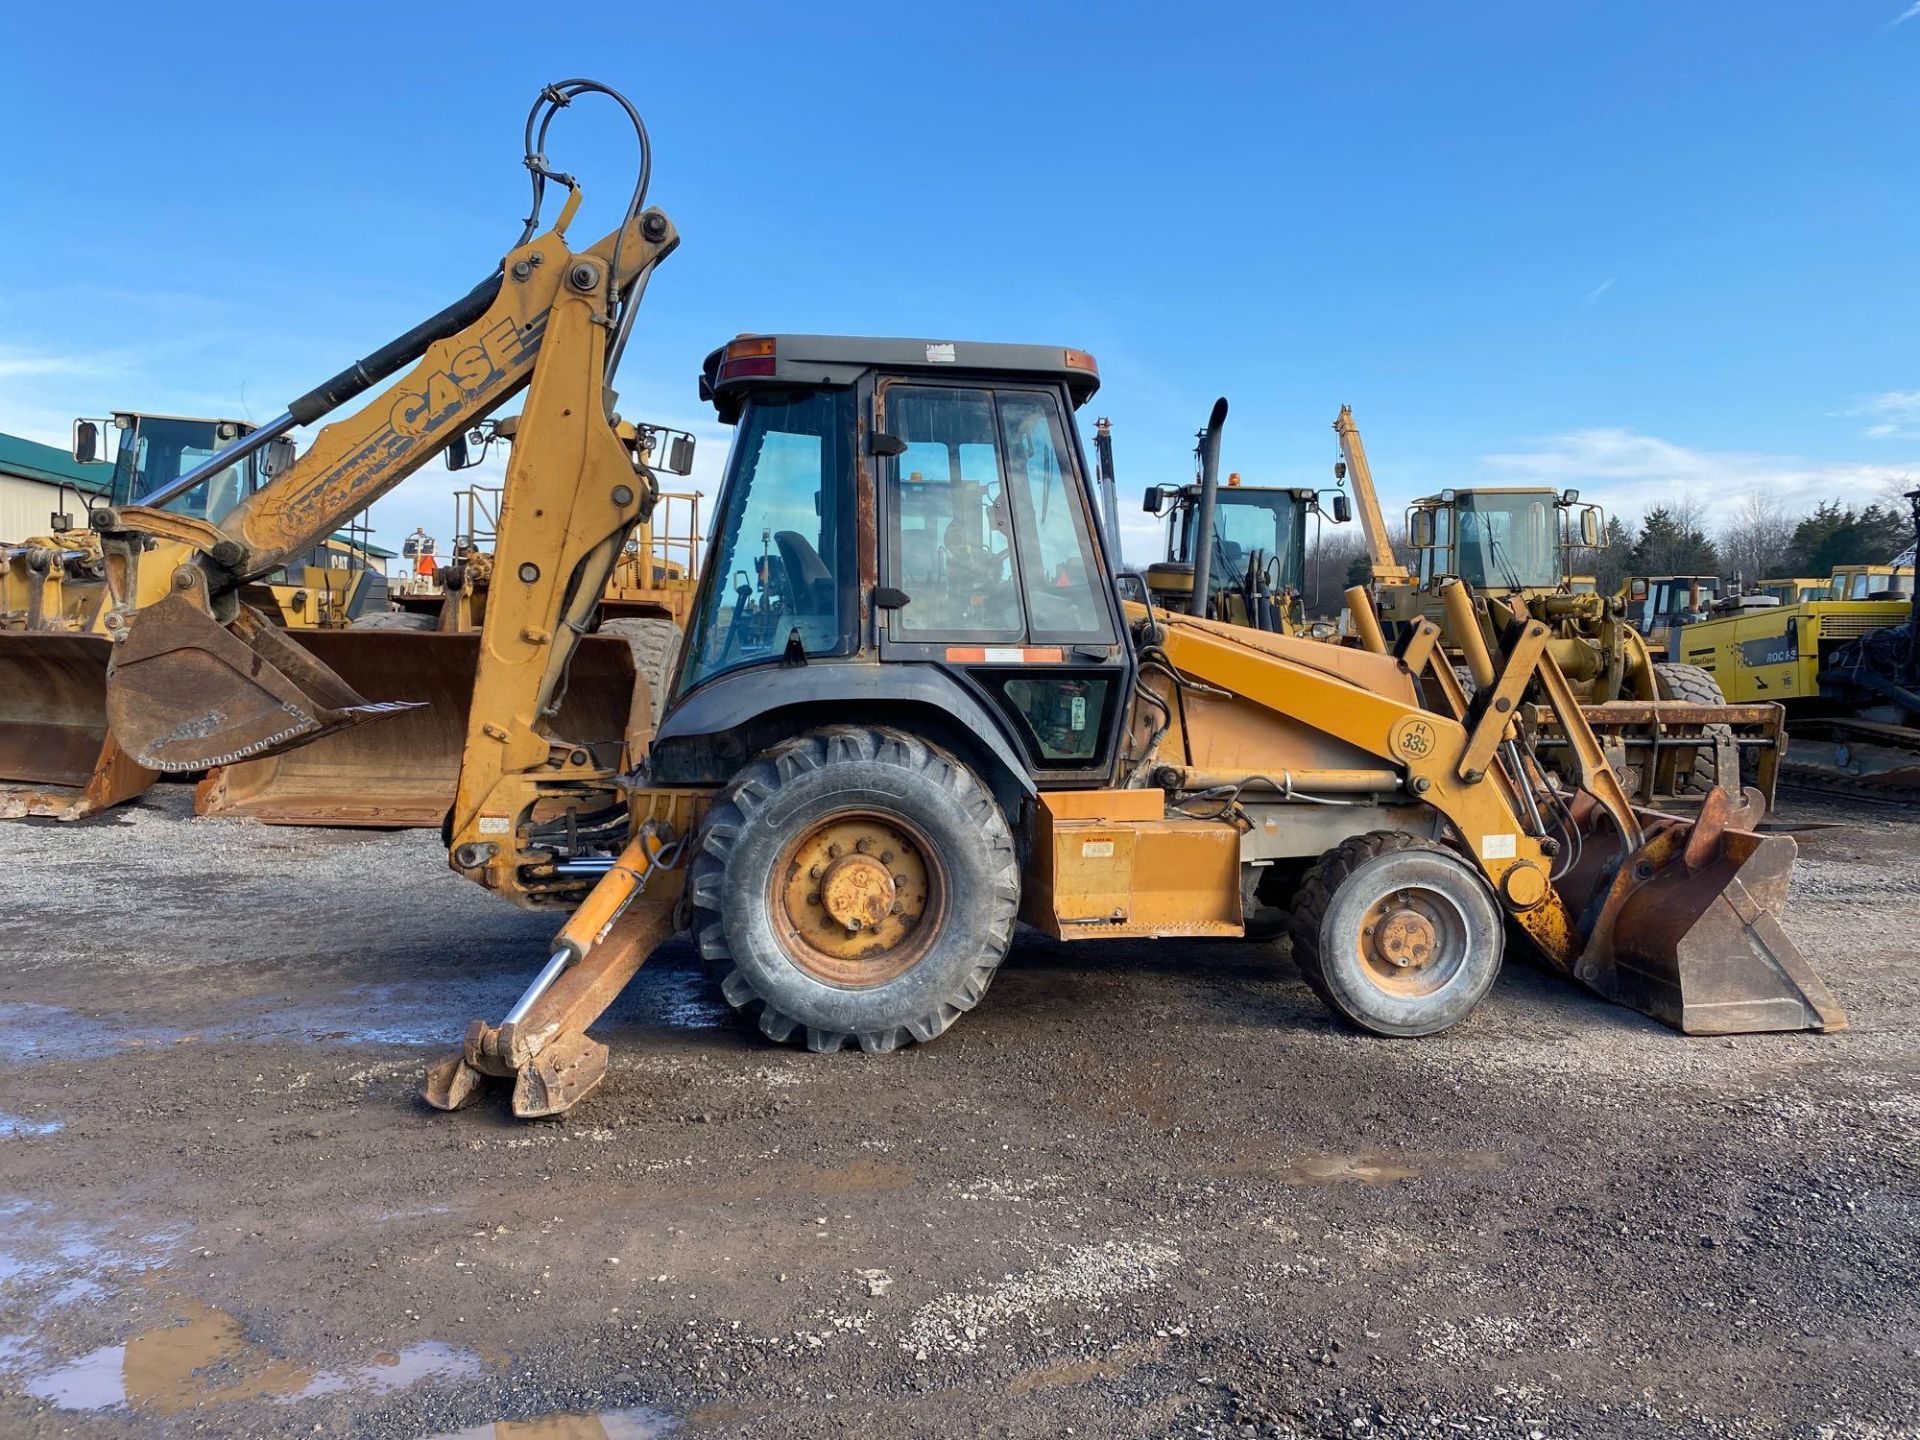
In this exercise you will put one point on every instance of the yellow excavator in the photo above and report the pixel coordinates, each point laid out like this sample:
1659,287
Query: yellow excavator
913,710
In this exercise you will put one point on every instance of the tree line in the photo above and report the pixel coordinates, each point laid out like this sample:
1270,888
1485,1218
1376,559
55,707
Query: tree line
1763,540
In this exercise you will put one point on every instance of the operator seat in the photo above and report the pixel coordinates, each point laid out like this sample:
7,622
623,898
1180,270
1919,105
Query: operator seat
810,580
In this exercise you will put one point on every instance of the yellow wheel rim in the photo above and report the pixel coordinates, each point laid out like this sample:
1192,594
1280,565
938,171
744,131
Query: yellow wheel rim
857,898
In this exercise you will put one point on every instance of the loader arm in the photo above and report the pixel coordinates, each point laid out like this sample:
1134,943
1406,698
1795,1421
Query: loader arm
1387,570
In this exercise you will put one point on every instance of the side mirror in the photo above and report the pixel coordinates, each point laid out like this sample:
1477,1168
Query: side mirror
680,455
60,522
1151,504
86,442
278,457
1420,529
1590,529
1636,589
457,452
1342,509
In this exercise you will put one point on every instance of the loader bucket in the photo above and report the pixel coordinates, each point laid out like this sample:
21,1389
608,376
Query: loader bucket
57,756
185,692
401,773
1687,929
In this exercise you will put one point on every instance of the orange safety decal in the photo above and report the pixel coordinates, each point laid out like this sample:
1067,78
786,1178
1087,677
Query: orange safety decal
1006,655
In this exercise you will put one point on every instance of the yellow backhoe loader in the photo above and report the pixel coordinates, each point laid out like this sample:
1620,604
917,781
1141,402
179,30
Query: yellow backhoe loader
1669,732
912,709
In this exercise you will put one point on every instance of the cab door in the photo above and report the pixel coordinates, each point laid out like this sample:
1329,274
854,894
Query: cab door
986,530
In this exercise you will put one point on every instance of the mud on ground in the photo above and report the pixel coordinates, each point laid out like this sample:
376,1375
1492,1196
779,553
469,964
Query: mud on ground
1143,1190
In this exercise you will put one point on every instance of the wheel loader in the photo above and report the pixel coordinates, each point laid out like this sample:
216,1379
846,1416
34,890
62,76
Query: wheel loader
1670,733
913,711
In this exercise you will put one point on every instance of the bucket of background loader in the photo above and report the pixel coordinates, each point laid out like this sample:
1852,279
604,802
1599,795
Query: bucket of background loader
186,693
1687,927
57,754
401,773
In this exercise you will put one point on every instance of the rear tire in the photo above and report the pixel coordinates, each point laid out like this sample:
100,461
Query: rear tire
656,645
1397,935
393,620
1697,686
854,884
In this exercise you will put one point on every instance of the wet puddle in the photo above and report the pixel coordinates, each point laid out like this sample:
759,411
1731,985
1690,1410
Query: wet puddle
638,1423
679,999
202,1357
14,1127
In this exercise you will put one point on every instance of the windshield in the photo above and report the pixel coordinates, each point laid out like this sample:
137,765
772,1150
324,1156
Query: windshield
1508,541
156,451
1245,521
778,542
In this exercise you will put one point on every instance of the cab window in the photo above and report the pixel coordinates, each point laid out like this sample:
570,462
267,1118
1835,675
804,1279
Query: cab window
779,547
987,529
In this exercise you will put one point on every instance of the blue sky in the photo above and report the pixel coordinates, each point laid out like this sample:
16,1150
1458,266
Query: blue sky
1647,248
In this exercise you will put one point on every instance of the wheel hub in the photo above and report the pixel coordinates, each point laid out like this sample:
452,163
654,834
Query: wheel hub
1405,939
858,892
857,898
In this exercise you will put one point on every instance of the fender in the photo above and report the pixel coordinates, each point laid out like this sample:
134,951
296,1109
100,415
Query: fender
710,725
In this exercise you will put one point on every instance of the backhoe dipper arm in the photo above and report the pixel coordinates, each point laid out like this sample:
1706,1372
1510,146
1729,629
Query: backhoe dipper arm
471,358
1386,569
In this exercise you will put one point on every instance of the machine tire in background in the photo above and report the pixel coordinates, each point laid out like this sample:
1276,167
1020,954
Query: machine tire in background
656,645
796,875
393,620
1383,898
1697,686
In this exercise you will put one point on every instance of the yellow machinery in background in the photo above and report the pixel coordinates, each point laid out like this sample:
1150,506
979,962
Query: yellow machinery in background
1257,559
1660,606
1666,727
1846,667
402,774
57,757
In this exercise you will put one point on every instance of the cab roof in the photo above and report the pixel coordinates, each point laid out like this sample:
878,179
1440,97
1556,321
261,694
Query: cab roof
753,361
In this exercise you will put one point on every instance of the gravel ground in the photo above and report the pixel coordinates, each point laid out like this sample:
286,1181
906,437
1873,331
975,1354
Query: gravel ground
1145,1190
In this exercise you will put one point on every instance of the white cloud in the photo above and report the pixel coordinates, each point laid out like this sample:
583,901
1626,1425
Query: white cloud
1907,14
1593,295
1629,472
1892,413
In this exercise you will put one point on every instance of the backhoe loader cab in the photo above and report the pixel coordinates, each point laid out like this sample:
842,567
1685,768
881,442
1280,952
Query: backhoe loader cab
149,451
923,505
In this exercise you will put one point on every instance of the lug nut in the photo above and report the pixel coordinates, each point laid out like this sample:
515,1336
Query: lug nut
813,897
886,857
835,851
862,844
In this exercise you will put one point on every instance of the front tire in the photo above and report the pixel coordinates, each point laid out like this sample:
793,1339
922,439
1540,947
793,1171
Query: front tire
1695,684
855,884
1397,935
